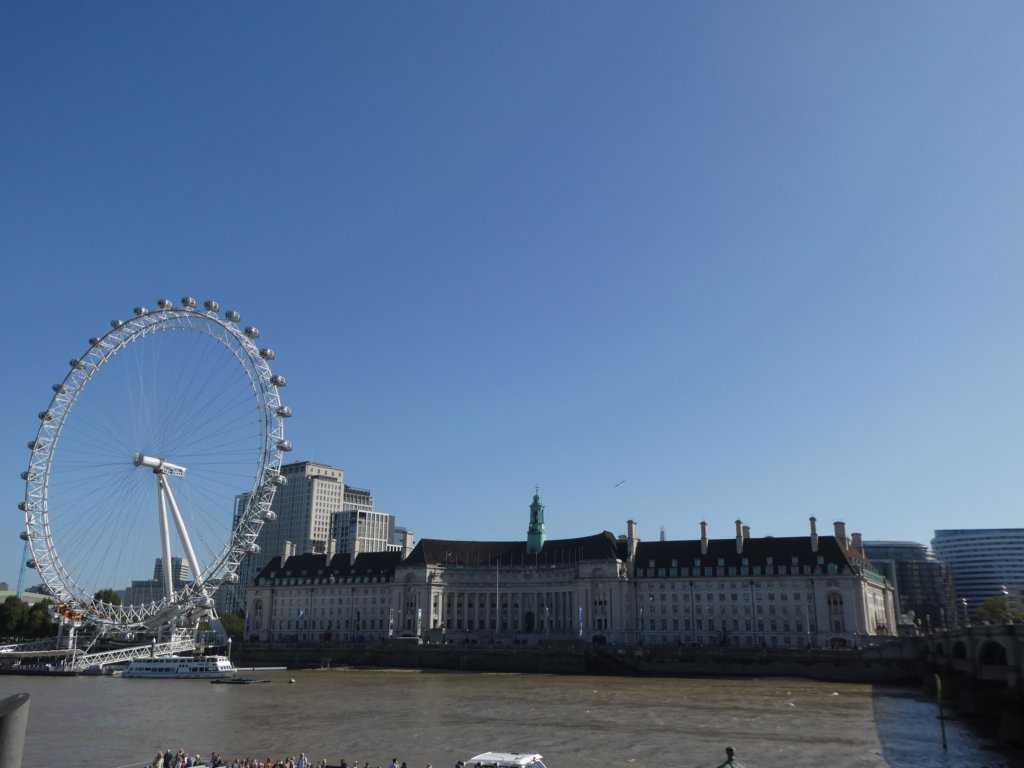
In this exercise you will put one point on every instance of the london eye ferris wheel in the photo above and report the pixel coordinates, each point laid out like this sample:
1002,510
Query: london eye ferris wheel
154,466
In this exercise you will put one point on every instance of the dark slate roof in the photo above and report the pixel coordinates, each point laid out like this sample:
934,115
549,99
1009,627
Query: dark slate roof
601,546
782,550
367,564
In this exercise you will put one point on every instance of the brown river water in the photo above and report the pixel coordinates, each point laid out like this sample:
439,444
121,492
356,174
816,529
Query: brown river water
371,716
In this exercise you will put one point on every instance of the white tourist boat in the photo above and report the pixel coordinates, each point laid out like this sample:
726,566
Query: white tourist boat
505,760
182,667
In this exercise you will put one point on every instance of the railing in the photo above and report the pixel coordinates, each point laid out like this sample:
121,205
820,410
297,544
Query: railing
104,658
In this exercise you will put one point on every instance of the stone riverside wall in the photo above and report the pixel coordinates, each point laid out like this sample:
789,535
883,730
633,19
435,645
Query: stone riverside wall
578,659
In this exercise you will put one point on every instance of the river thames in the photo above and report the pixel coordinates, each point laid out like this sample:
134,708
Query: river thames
371,716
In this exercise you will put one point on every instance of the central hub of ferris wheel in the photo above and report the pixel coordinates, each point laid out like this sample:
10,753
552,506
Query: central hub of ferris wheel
165,498
159,466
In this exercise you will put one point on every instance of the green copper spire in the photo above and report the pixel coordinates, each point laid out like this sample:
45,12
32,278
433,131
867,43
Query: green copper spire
536,533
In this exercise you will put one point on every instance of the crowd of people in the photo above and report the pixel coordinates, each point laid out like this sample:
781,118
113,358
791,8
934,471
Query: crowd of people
184,759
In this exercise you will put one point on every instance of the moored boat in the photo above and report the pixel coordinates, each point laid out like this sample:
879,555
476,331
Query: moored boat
180,667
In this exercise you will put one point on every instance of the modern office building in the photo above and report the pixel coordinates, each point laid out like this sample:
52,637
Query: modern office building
179,570
317,513
358,527
149,590
768,592
925,595
985,561
303,506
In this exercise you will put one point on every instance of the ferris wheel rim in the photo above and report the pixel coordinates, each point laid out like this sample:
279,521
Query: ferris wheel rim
224,568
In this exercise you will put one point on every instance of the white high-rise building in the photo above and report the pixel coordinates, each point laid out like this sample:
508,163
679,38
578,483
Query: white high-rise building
304,507
316,514
985,561
363,530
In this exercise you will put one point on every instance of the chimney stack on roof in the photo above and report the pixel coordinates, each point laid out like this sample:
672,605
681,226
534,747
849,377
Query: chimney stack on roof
814,534
631,539
739,536
841,533
858,542
703,537
746,532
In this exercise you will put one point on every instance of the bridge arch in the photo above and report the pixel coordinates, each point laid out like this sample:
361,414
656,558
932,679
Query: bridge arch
992,653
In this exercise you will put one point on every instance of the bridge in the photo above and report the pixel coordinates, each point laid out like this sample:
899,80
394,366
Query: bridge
986,653
980,669
73,659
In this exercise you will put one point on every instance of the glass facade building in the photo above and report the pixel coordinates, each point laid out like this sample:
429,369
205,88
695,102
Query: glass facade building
985,561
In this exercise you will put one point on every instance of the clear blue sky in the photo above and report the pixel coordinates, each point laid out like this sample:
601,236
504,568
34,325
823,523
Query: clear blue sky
758,260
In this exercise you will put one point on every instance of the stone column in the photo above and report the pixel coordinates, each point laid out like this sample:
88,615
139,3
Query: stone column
13,720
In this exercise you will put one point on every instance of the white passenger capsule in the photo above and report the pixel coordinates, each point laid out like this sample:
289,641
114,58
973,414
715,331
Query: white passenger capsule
165,303
267,353
140,311
284,411
277,380
252,333
211,305
284,445
232,316
188,302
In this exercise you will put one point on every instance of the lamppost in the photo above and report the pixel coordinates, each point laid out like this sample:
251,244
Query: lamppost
1006,603
640,626
352,615
650,614
963,611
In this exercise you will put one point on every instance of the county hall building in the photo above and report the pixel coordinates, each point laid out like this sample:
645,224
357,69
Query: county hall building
786,592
